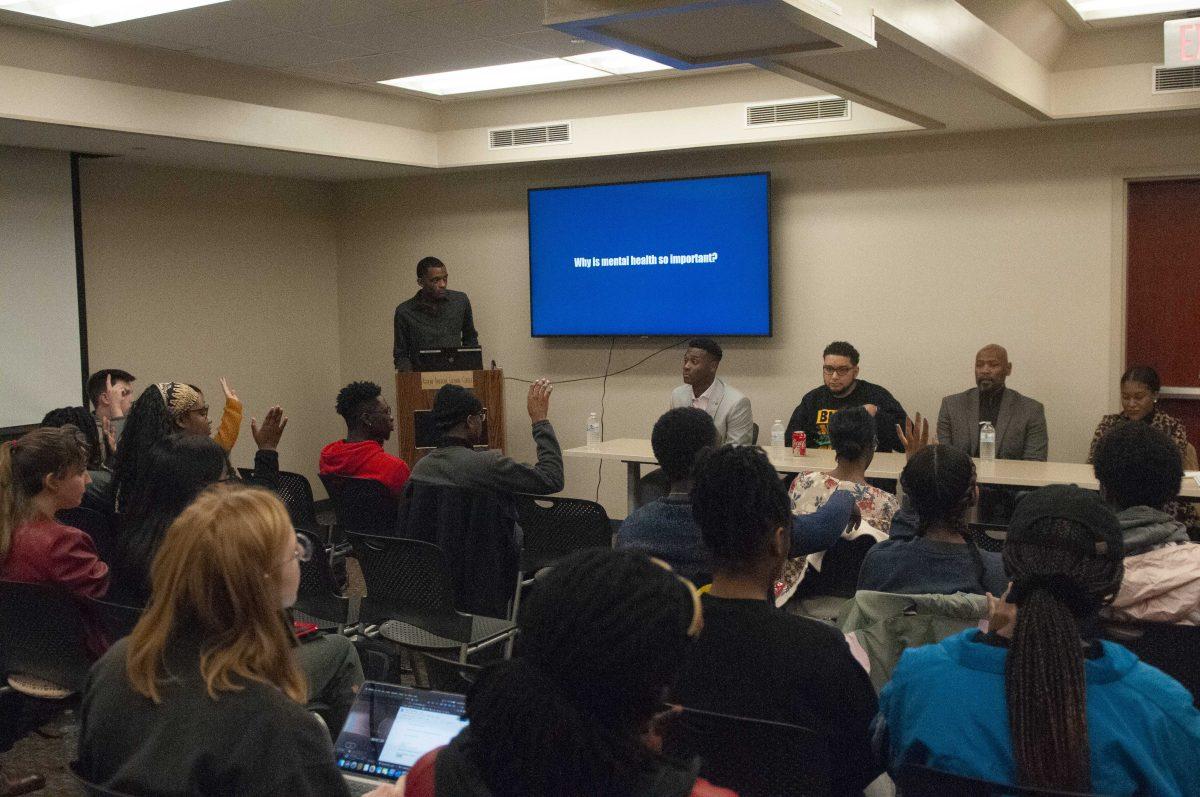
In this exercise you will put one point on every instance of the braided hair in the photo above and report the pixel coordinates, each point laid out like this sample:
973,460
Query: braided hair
940,482
149,421
602,637
737,501
1060,583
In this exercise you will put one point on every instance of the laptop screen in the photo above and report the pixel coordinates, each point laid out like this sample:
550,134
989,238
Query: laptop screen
390,727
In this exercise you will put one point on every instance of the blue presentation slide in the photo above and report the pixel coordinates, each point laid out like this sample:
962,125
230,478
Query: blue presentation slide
670,257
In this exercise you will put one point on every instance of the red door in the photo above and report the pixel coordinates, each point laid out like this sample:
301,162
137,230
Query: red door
1163,290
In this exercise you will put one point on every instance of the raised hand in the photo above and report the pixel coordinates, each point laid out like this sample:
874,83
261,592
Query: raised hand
229,394
113,392
267,436
538,400
914,436
1002,615
110,436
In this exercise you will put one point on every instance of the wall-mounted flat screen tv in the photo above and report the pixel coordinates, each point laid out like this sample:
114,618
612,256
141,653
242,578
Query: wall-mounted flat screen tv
661,257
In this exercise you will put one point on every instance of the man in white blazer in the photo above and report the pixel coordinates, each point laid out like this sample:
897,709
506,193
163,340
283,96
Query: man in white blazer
701,388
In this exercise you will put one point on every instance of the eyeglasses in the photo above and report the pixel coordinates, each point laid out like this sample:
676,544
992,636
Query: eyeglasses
304,550
482,414
840,371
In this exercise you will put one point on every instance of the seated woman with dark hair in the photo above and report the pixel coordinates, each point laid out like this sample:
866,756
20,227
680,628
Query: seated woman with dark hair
206,695
98,494
852,437
602,636
170,408
930,550
178,468
1139,473
181,467
752,659
1038,701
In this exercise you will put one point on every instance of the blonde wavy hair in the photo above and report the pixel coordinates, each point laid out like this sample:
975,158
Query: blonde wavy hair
216,576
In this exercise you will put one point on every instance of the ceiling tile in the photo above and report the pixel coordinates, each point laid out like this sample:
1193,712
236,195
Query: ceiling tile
306,15
283,50
426,60
492,18
386,35
550,43
194,28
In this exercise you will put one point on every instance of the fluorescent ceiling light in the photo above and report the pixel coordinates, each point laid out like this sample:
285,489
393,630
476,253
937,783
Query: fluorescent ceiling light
528,73
617,62
1114,9
100,12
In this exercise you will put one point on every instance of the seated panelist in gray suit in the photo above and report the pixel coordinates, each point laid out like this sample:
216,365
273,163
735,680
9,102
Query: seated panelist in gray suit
703,389
1020,422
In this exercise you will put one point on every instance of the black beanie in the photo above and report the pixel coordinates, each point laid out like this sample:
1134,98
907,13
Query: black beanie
453,404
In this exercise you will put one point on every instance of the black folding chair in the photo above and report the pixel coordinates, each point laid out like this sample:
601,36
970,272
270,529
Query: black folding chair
914,780
446,675
101,527
410,598
44,635
117,619
753,757
89,788
553,528
1174,649
989,536
362,505
320,599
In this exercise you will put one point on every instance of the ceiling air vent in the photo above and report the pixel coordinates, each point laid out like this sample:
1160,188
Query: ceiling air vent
555,133
1176,78
813,109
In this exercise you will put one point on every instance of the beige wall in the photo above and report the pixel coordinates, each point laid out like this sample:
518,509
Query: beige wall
917,250
195,275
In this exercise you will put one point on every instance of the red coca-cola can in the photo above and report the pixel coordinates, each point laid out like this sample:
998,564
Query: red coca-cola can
799,444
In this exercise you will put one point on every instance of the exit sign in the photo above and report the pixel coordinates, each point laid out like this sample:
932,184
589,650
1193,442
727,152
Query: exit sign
1181,42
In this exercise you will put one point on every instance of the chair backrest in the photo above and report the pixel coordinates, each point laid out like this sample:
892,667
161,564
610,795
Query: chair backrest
989,536
117,619
409,581
914,780
1174,649
296,494
362,505
319,595
102,528
755,758
838,575
554,527
92,789
43,634
447,675
476,530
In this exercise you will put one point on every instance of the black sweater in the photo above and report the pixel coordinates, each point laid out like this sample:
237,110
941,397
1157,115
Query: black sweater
819,405
255,741
753,660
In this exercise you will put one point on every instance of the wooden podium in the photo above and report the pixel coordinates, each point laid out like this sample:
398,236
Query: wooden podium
414,400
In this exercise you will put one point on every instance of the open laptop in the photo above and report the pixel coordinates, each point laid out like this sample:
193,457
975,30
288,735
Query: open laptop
389,728
450,359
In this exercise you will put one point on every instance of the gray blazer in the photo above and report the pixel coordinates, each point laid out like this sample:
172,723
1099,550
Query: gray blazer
1020,425
729,408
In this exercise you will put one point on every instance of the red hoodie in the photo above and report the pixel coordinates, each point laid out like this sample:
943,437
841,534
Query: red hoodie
365,460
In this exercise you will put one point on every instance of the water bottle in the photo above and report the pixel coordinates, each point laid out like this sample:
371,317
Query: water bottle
777,431
593,430
987,441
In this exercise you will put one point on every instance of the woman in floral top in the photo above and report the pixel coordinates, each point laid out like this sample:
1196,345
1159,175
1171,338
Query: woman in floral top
852,436
1139,402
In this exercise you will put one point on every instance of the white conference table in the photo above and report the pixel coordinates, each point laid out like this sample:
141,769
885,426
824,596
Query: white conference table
1017,473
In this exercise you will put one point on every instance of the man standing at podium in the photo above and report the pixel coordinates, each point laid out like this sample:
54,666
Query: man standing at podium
436,318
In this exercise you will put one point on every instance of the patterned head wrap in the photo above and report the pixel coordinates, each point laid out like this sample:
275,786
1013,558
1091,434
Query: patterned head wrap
179,398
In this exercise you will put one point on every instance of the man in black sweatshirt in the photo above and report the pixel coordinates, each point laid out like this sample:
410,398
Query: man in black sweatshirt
844,389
